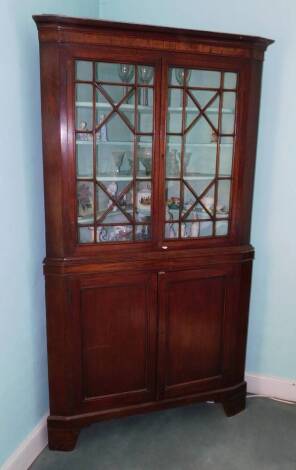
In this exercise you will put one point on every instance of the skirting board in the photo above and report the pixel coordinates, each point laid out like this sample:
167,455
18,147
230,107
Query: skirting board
33,445
275,387
29,449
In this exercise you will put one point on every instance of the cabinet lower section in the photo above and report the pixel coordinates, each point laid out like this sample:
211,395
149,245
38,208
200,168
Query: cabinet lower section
124,342
63,431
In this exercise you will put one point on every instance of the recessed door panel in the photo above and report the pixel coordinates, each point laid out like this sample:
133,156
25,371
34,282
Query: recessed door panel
118,328
194,341
194,334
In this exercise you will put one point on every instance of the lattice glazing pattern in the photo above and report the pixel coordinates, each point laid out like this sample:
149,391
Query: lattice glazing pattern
200,134
114,108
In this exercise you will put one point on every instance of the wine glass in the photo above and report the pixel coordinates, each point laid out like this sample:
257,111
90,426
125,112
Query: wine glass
126,73
145,75
118,159
180,77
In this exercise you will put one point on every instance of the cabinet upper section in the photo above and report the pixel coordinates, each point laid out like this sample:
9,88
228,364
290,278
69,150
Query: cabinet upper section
64,29
149,136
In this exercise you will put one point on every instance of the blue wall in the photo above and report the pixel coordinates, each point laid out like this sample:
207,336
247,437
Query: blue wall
23,385
271,343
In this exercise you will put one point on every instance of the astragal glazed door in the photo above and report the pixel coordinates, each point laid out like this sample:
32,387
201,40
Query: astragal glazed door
200,111
115,129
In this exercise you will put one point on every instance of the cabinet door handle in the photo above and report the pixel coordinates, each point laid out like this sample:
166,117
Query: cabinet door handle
164,247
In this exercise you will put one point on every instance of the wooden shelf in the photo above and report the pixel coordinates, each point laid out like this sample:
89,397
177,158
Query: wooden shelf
195,110
197,177
149,109
107,106
114,215
148,144
114,178
117,143
210,145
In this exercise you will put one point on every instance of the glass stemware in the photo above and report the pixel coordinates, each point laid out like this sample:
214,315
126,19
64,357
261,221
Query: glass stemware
126,73
180,77
118,159
145,74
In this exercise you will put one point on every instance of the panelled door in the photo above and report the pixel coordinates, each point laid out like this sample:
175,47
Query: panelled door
198,330
114,326
131,348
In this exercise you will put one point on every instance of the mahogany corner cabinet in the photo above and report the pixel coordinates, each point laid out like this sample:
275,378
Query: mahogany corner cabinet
149,143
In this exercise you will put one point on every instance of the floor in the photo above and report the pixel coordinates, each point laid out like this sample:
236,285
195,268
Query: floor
198,437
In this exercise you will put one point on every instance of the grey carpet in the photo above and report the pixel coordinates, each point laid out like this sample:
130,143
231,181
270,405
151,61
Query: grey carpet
198,437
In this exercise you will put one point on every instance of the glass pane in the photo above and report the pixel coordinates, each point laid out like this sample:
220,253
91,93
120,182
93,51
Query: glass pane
86,234
175,99
104,202
171,231
191,111
84,94
145,110
112,94
212,113
200,160
112,195
186,230
177,76
200,133
173,159
84,70
198,186
189,202
172,200
84,157
114,217
118,73
203,97
145,74
198,213
229,101
174,116
190,230
204,78
85,202
225,164
143,201
114,160
127,109
84,107
230,80
205,229
222,208
103,108
144,157
116,130
208,200
228,113
143,232
174,141
114,233
222,228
